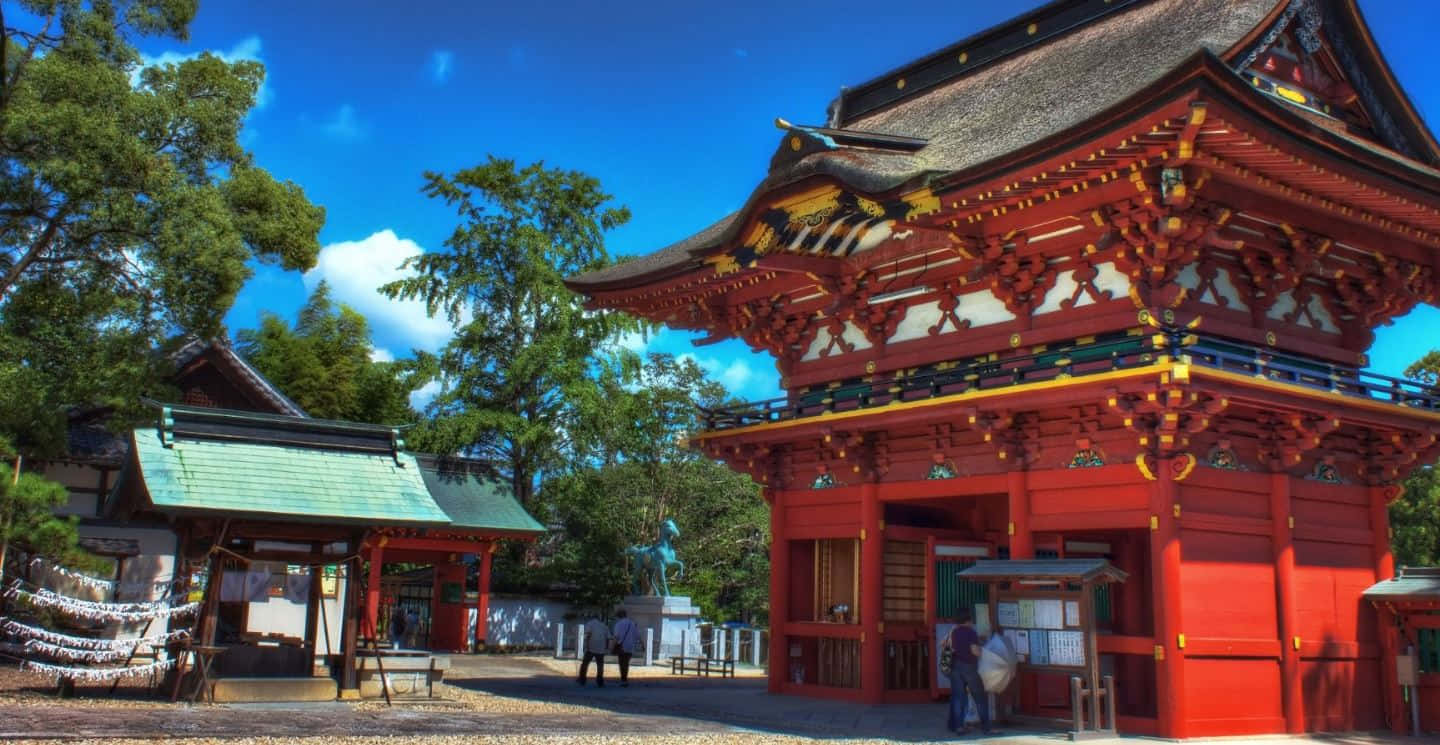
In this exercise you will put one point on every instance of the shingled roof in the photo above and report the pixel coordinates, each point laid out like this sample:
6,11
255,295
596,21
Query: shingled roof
1032,78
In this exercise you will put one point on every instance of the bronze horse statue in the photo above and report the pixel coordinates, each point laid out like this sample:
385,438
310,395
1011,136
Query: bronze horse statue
651,562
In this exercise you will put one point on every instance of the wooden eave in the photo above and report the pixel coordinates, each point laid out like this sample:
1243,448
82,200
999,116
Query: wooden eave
1330,173
1375,63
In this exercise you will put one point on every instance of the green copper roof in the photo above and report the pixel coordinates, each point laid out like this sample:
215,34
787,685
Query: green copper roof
299,483
474,499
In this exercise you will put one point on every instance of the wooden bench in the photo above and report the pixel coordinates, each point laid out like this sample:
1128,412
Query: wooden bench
702,666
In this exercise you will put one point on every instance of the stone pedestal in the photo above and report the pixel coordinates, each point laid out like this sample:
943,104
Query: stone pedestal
668,617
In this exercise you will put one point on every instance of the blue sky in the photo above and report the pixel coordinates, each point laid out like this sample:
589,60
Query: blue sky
669,104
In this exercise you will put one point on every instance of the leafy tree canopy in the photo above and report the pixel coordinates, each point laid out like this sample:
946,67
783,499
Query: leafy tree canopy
128,208
523,343
634,470
1415,516
324,364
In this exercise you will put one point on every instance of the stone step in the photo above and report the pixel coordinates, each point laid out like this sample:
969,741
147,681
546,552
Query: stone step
258,690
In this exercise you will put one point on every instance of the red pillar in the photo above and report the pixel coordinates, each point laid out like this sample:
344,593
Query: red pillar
1022,543
779,586
482,607
872,595
1291,696
1385,631
1380,527
1165,593
372,590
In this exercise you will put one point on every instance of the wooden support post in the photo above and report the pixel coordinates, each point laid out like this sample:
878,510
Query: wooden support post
349,687
482,607
1292,698
1022,543
314,606
779,593
1165,595
872,595
1390,694
372,588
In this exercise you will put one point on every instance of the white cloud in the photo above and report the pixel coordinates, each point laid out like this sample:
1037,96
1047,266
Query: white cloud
440,64
634,341
381,354
422,396
247,48
344,126
355,269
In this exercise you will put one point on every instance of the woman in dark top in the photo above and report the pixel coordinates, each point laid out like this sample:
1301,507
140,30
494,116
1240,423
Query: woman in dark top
964,645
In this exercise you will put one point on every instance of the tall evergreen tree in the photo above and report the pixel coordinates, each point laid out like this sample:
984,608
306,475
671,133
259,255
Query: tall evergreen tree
324,364
522,343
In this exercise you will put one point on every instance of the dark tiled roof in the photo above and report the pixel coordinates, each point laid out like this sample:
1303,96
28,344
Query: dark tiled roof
996,109
1074,570
88,439
474,498
1421,583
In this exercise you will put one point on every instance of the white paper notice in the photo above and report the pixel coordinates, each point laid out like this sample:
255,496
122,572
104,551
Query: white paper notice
1072,612
1008,615
1048,614
982,619
1022,642
1027,613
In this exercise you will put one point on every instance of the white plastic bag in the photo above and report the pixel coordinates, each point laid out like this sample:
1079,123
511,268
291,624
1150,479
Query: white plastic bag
997,664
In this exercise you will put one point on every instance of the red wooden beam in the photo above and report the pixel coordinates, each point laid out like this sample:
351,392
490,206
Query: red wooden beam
443,545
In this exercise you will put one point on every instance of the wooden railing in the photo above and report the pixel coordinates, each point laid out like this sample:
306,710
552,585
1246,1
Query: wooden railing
1079,360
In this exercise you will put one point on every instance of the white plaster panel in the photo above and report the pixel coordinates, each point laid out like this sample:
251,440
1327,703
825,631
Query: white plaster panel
852,335
1226,289
917,322
1322,316
1108,278
983,309
1284,303
855,337
1063,289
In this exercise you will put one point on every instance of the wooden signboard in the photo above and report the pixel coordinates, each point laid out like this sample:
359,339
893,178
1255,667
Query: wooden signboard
1046,610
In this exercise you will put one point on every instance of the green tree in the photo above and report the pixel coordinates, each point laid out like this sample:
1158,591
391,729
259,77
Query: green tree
635,469
128,209
27,517
1415,516
324,364
523,342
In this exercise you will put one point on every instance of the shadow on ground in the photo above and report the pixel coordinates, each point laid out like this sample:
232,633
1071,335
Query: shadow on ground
739,702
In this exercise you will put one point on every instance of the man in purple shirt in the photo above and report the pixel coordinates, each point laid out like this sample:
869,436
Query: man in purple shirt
964,645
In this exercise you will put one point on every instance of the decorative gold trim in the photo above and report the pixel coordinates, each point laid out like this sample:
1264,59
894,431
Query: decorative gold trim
1155,368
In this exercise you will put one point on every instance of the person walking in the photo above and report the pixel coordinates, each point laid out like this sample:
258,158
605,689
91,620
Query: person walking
964,645
397,626
597,643
625,636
